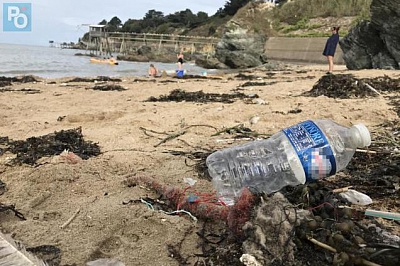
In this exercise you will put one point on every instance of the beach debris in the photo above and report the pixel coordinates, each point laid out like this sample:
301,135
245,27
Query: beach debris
355,197
105,262
203,205
97,79
14,253
50,254
69,157
243,76
26,90
254,120
180,95
4,83
256,83
382,214
3,187
272,226
4,208
345,86
34,148
240,131
190,181
7,81
249,260
64,225
107,87
260,101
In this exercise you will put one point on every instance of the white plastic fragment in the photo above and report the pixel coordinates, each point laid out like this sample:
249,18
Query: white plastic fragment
190,181
356,197
249,260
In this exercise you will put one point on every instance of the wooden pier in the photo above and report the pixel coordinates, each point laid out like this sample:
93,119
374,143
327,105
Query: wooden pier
124,43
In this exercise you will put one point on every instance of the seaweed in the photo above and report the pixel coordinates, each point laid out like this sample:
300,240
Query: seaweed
179,95
30,150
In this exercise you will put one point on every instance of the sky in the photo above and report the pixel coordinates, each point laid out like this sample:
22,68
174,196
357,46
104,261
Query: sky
62,20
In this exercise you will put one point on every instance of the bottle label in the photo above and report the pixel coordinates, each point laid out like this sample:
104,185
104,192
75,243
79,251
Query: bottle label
313,149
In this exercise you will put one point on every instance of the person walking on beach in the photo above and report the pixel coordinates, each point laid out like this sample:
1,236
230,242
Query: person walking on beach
330,47
153,71
180,60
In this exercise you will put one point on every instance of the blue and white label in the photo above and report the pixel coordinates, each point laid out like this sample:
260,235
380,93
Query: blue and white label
313,150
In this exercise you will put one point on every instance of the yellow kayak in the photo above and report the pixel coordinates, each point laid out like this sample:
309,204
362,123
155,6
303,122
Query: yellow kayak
104,61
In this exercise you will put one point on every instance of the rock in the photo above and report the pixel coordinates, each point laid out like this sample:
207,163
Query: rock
374,44
144,50
240,48
209,62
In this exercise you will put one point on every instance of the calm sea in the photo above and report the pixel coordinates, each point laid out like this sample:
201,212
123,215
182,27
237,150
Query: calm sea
48,62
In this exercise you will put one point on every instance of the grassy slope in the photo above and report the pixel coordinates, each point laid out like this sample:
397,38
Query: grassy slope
298,18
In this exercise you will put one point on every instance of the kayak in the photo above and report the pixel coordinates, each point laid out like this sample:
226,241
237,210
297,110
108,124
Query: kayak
103,61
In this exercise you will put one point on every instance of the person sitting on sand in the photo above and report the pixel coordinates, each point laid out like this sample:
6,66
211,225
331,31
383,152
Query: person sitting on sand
153,71
180,60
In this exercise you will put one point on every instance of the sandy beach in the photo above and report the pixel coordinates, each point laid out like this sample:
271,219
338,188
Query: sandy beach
131,133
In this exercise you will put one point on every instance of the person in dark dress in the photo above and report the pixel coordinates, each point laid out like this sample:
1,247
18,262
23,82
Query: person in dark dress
330,47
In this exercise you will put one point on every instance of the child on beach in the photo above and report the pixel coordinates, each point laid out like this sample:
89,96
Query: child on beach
153,71
180,60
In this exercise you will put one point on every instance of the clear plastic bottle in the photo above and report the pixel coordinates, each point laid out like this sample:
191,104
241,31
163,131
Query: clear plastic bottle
307,151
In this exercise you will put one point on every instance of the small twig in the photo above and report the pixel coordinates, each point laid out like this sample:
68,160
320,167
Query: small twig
145,130
201,126
366,151
322,245
170,137
71,219
340,190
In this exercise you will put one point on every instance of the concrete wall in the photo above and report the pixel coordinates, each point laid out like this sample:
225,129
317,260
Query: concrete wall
299,50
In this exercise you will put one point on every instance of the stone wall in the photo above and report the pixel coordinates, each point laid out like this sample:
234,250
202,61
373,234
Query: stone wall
307,50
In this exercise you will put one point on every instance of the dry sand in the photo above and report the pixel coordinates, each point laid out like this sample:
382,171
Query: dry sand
49,194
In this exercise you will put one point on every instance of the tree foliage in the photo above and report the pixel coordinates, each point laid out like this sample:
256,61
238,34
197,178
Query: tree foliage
232,6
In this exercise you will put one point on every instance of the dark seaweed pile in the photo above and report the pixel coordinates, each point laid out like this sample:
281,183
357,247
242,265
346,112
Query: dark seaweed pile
30,150
109,88
255,83
99,78
345,86
7,81
179,95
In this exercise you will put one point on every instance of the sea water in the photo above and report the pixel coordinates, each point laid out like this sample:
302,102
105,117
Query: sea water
50,62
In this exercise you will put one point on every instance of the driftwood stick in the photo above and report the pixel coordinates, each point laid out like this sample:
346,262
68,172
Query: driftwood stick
71,218
340,190
366,151
322,245
327,247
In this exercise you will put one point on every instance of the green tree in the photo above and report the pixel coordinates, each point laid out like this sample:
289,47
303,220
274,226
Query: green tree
153,19
232,6
103,22
114,24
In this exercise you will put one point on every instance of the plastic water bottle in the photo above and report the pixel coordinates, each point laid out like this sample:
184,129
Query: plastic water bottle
305,152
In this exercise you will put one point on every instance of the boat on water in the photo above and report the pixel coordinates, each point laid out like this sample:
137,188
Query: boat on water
110,61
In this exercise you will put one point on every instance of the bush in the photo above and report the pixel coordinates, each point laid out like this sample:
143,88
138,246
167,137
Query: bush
294,11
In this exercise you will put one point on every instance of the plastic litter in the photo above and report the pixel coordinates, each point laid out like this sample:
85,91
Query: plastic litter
356,197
